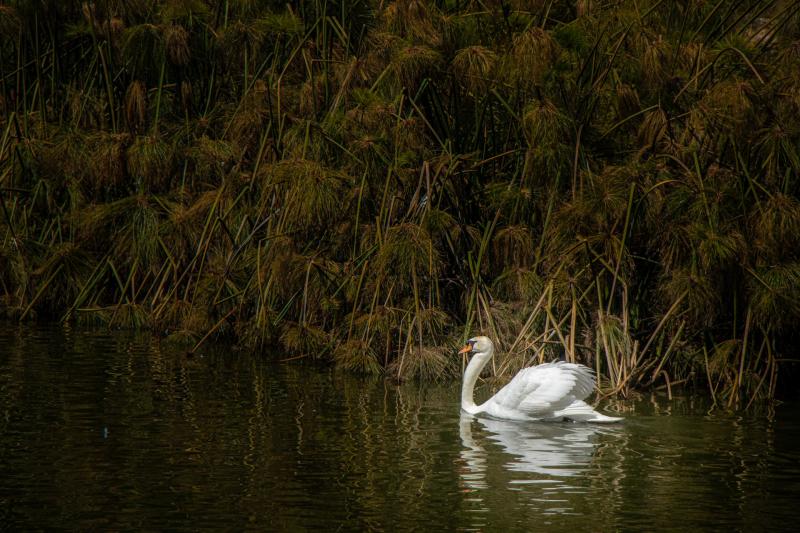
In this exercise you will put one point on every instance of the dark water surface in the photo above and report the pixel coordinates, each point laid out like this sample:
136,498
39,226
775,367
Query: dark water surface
107,431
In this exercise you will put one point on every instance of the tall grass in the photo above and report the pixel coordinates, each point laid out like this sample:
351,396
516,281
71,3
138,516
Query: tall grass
368,182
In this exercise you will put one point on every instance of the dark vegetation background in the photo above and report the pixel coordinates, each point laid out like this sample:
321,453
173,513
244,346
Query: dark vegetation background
368,182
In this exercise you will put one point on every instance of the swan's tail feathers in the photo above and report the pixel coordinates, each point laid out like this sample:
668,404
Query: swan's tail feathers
580,411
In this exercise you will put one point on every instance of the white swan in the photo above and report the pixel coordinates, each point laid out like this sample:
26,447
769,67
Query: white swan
552,391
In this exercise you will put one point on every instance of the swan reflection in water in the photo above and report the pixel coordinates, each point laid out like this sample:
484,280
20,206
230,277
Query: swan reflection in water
547,450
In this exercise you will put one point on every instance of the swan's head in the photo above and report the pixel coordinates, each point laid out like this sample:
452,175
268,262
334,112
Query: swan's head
479,346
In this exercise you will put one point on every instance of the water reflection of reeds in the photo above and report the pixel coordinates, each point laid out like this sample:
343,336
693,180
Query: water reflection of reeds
223,439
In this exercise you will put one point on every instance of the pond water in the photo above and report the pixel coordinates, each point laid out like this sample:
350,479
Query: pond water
111,431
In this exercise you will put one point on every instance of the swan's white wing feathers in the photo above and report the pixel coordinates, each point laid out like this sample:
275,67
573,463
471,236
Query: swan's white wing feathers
546,388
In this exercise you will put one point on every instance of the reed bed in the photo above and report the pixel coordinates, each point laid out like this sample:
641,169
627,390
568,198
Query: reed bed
367,183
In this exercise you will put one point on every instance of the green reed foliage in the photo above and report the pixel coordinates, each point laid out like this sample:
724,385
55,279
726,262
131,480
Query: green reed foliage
366,182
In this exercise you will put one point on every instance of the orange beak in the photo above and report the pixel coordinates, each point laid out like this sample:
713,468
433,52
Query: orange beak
465,349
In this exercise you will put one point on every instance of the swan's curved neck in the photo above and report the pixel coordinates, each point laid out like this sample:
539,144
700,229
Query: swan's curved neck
471,374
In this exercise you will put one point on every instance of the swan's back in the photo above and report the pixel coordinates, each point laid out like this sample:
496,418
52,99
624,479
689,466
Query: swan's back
539,391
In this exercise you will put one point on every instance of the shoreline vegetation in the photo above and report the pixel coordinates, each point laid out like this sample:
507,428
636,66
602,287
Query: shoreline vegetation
369,182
